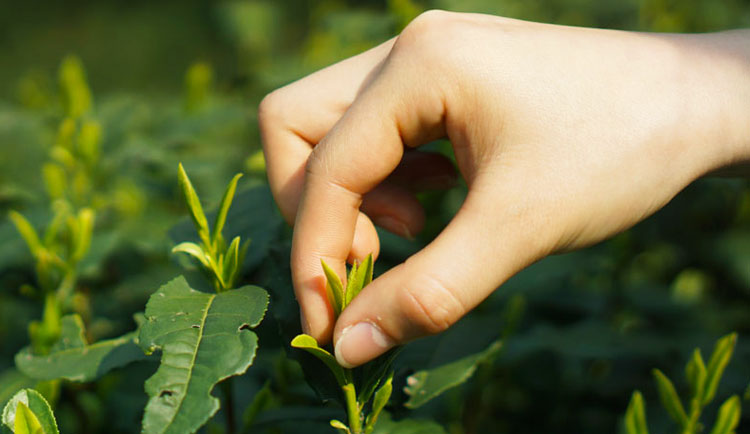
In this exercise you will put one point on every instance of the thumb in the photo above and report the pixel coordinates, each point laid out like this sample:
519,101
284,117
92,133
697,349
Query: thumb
433,289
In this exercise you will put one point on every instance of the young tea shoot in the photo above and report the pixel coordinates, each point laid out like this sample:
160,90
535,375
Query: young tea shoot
377,386
704,381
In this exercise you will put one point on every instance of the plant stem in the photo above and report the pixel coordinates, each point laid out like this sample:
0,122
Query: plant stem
352,408
226,386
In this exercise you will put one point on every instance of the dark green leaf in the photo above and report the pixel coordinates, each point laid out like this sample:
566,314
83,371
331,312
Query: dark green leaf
11,381
635,416
669,398
37,405
73,359
729,416
204,338
386,425
430,383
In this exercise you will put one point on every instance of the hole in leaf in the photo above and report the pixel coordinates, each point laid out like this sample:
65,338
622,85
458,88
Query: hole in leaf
244,327
195,326
165,393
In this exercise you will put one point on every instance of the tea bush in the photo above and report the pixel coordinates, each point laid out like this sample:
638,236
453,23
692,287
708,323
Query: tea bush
144,285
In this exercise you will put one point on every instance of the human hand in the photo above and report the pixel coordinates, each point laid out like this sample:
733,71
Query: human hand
565,136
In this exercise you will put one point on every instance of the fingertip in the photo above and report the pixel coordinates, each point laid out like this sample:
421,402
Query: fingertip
360,343
316,315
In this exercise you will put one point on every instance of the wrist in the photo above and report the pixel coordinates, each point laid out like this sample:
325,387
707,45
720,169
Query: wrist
721,91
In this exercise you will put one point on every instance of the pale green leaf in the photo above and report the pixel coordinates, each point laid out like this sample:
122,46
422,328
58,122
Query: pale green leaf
26,422
73,359
340,426
359,277
716,364
84,228
226,202
193,250
309,344
204,338
669,398
635,416
334,289
40,410
194,206
231,262
28,233
695,371
429,383
729,416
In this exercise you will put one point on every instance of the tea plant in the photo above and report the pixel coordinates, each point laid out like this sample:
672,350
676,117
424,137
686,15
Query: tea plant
377,378
703,380
204,338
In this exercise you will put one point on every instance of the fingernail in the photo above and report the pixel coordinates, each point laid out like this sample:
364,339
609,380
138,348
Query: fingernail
393,225
360,343
303,322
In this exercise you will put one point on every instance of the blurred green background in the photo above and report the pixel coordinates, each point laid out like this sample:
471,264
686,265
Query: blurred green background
180,81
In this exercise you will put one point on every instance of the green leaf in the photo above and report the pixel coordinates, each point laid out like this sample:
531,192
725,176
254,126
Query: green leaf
334,289
84,228
28,233
309,344
204,338
231,262
359,276
378,403
669,398
194,206
695,371
374,373
73,359
11,381
39,416
253,216
429,383
729,416
386,425
226,202
193,250
635,416
716,364
73,87
340,426
26,422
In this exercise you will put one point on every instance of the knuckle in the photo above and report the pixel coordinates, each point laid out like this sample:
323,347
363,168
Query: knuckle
426,30
271,108
430,306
